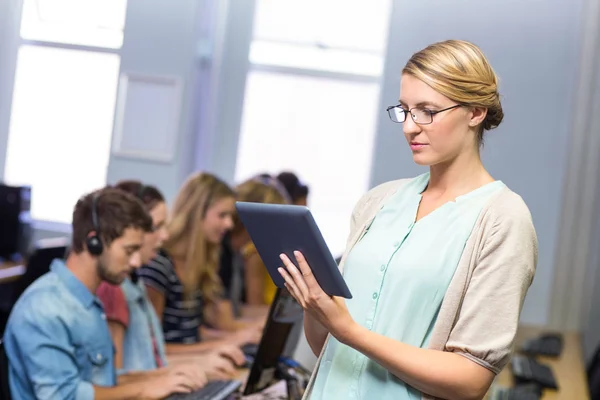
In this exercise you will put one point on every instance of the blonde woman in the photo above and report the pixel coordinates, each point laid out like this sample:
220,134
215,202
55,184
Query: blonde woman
258,285
182,281
439,265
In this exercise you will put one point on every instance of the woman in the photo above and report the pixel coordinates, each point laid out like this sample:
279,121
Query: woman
258,286
439,265
182,280
135,328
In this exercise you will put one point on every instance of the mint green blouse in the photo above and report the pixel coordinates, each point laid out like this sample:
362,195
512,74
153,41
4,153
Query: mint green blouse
398,274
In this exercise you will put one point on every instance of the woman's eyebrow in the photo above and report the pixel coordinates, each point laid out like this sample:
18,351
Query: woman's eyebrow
421,104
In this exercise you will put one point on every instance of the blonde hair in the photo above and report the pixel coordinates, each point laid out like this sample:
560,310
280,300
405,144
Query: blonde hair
186,237
257,191
460,71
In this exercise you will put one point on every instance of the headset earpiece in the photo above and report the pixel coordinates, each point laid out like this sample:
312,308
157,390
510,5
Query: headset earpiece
93,242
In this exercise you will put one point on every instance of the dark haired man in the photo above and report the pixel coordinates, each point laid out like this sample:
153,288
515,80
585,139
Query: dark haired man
57,339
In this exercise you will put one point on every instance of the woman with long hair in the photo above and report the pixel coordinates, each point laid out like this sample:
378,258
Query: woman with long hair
183,281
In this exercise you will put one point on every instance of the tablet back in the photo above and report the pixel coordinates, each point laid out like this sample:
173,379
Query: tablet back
282,228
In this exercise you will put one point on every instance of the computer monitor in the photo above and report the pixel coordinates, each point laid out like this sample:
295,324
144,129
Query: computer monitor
16,229
38,263
284,314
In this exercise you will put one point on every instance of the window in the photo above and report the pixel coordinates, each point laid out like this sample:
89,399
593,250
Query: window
300,33
61,126
319,136
97,23
63,101
311,99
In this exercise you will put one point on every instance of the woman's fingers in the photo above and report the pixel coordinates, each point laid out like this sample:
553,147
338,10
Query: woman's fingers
294,295
291,286
297,276
303,265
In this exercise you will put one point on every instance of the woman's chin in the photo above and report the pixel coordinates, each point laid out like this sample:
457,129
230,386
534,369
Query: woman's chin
423,159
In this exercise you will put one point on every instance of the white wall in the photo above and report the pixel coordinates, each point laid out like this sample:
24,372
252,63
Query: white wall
162,38
591,292
533,46
218,136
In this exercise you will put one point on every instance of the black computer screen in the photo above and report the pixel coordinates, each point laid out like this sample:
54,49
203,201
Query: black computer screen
285,312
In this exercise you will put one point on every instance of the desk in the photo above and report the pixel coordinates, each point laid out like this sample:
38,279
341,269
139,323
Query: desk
10,271
569,368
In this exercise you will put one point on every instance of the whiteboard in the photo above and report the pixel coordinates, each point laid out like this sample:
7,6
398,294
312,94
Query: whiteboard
147,117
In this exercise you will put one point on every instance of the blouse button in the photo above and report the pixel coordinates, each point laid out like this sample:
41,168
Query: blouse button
375,296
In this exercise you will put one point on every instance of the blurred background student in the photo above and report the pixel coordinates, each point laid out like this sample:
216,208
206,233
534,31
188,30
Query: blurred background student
134,326
183,282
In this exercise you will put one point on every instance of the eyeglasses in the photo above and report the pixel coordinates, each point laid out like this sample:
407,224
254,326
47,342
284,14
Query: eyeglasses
421,116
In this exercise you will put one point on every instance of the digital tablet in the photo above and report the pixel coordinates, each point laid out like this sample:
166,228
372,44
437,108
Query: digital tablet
282,228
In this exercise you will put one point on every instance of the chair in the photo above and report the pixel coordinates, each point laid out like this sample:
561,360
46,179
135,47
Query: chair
4,382
39,262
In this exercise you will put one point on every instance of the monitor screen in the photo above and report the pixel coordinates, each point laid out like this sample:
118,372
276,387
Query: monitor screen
284,315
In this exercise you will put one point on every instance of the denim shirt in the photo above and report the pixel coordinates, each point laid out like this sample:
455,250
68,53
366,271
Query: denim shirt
57,340
138,349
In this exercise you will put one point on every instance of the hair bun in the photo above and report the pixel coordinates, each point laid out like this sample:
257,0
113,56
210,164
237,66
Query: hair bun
494,116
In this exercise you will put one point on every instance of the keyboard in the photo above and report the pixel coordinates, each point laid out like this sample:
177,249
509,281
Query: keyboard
550,345
528,370
519,392
214,390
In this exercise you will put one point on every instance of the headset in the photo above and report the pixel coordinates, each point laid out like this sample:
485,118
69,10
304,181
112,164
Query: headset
94,243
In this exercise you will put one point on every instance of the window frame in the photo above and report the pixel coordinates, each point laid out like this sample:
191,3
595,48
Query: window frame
306,72
15,41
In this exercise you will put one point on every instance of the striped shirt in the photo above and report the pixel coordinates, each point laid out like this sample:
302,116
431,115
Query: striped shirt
181,318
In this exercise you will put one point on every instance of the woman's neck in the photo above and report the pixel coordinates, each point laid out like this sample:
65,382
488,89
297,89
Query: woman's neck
458,176
238,240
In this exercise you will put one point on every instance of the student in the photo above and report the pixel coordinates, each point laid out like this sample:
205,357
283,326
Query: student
57,340
297,191
439,265
183,282
259,288
135,328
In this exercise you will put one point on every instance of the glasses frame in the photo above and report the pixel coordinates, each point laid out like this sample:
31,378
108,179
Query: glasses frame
430,112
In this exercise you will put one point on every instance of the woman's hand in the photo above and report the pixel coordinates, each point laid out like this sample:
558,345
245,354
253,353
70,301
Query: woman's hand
330,311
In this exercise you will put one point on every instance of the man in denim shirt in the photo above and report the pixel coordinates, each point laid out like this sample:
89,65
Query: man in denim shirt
57,339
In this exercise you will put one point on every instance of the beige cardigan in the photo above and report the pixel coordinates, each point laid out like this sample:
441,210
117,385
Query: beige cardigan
480,312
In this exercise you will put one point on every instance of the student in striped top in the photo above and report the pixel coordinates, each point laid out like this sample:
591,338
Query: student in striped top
182,281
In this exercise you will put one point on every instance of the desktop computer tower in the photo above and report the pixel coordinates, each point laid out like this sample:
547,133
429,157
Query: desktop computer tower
16,229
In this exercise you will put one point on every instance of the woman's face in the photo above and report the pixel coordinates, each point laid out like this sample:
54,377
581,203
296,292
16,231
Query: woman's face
218,219
154,240
451,133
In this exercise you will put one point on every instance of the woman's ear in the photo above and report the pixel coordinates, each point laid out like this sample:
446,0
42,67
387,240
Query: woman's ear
477,116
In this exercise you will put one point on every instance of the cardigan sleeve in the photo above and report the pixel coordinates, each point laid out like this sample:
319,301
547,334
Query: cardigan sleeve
505,264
